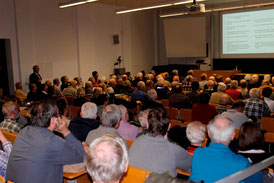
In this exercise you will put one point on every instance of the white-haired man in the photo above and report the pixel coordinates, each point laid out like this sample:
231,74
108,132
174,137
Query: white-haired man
195,133
217,161
126,130
107,159
216,96
83,124
10,111
110,120
255,108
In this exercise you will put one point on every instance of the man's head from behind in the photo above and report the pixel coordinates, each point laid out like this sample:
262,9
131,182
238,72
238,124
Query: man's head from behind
107,159
89,110
196,132
158,122
111,116
221,130
42,113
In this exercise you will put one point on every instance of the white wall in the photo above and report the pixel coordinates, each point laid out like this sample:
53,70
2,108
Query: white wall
75,41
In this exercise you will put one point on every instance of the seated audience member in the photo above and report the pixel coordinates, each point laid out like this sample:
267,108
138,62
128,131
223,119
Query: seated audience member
138,78
267,92
33,95
4,154
233,92
210,87
202,111
83,124
19,93
71,90
56,87
139,94
20,118
178,99
126,89
10,111
161,89
152,103
255,108
126,130
119,86
42,95
94,79
224,101
107,159
196,133
50,90
38,155
81,99
111,116
65,82
216,96
63,109
253,82
194,94
89,90
251,143
187,85
143,123
149,85
101,101
217,161
243,89
228,82
2,101
191,72
236,114
154,152
203,81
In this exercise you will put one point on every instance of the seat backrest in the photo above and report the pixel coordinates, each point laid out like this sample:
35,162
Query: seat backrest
268,124
11,136
269,137
129,142
173,113
135,175
70,100
186,114
175,123
75,111
165,102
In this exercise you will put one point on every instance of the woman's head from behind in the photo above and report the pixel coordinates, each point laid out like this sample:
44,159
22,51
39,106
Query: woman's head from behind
250,137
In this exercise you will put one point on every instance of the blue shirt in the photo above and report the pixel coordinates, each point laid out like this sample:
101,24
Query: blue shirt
217,161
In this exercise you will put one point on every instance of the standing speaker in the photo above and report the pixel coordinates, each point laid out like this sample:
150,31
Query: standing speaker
116,39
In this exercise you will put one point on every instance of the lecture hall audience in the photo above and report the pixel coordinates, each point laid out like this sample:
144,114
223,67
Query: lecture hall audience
141,96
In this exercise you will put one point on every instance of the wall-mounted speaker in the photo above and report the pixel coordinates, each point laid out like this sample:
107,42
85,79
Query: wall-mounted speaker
116,39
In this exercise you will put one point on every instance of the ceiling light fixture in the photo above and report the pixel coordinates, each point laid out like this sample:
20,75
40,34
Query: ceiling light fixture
74,3
155,6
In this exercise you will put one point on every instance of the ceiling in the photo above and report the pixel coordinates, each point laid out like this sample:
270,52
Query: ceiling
125,4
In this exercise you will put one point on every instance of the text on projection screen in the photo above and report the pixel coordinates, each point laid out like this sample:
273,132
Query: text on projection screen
248,32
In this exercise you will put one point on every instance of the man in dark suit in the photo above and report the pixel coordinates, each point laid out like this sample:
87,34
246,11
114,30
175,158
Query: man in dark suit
35,77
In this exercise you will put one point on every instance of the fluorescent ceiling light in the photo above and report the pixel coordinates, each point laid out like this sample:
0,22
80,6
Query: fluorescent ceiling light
155,6
74,3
